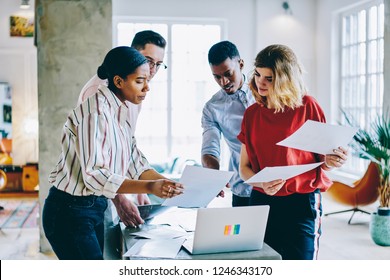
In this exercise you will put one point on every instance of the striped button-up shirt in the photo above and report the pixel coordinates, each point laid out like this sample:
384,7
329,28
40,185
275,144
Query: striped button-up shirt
99,150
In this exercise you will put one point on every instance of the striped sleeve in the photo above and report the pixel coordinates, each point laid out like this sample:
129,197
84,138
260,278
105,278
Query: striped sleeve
96,151
138,162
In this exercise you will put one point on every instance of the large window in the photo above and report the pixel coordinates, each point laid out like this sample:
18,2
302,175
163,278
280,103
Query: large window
361,91
169,125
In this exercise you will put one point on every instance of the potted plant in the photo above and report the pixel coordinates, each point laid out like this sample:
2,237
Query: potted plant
374,144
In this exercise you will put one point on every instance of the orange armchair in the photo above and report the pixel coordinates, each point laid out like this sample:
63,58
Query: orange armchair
363,192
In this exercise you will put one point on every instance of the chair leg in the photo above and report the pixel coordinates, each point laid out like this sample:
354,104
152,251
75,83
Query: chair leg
350,219
338,212
349,210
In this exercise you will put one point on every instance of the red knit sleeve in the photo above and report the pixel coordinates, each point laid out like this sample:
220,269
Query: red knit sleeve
241,135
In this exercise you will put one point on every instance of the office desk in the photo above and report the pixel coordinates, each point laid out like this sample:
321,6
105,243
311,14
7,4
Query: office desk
266,253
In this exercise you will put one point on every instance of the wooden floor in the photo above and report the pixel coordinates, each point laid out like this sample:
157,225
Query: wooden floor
339,240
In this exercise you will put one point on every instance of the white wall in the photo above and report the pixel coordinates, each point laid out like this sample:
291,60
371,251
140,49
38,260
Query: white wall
296,30
19,68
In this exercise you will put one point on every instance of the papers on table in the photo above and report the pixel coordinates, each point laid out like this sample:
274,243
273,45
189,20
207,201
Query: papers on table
320,138
201,186
157,242
167,232
281,172
182,217
160,248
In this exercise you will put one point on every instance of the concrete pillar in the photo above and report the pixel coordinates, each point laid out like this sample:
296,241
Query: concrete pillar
72,38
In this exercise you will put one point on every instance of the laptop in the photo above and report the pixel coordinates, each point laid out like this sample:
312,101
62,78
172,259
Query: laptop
232,229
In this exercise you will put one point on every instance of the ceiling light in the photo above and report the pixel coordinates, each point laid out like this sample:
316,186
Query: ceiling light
286,7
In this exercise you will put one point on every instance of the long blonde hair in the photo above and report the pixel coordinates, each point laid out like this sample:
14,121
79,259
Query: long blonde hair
288,86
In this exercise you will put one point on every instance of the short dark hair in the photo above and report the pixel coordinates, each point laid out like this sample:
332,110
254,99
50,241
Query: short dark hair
221,51
148,37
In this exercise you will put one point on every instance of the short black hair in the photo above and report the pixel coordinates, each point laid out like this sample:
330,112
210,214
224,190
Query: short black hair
148,37
221,51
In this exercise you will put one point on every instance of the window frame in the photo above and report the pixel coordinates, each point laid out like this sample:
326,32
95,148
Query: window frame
360,164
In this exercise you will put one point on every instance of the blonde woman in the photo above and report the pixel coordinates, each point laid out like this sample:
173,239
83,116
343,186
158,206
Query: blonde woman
282,106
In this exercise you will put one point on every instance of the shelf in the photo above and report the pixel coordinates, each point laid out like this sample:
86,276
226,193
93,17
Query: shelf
18,194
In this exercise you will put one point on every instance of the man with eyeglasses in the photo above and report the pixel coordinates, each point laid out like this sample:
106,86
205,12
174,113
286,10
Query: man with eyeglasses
155,65
152,46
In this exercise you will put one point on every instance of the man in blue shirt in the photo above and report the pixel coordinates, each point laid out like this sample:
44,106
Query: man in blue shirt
223,113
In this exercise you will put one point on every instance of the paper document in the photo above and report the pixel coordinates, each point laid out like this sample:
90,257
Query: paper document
161,233
183,217
320,138
160,248
281,172
201,185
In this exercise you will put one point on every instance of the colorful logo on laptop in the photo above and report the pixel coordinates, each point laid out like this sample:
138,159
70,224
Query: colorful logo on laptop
232,229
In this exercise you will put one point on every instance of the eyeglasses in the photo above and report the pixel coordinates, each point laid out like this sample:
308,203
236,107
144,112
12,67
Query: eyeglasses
158,64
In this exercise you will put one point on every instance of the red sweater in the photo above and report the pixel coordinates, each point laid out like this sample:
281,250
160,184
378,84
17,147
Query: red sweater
262,128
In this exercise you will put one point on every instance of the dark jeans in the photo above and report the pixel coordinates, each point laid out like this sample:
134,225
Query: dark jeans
294,223
240,200
74,225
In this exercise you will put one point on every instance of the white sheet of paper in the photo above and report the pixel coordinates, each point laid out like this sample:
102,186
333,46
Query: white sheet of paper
201,185
160,248
320,138
161,233
182,217
281,172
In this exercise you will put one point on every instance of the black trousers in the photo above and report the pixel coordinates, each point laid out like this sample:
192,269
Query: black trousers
240,200
74,225
294,223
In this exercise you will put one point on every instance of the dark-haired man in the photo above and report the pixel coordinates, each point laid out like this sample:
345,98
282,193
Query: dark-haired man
152,45
223,114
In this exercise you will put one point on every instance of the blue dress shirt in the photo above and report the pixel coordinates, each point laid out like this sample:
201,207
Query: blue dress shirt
223,114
